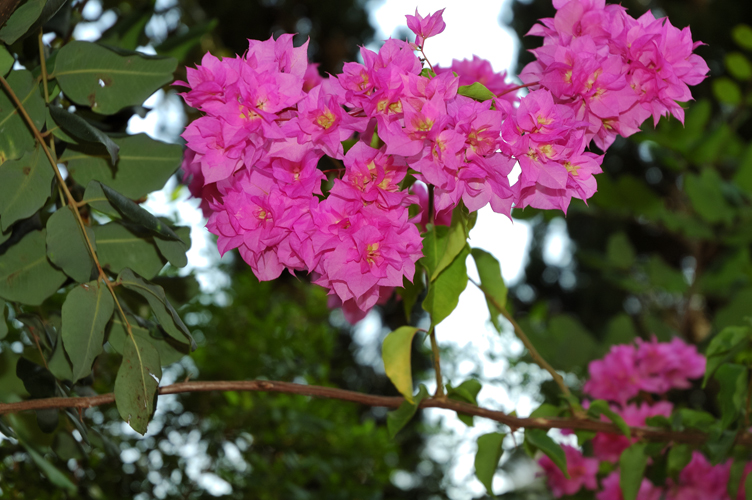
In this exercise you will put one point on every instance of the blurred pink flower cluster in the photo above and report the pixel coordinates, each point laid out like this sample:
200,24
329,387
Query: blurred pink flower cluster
257,156
654,367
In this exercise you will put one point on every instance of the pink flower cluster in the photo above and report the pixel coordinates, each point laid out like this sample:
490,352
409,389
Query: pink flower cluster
256,157
657,368
653,367
603,73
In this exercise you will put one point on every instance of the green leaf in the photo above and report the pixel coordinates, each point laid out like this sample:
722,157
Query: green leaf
476,91
487,458
26,275
397,419
94,76
451,244
410,292
135,213
136,384
6,61
565,343
540,439
21,20
175,250
59,364
678,457
168,352
66,247
546,410
444,293
86,311
467,392
619,251
632,465
723,347
178,46
742,35
15,136
727,91
738,65
97,200
83,130
144,166
706,194
748,486
119,248
733,388
25,187
3,320
163,310
52,473
695,419
396,352
492,283
600,407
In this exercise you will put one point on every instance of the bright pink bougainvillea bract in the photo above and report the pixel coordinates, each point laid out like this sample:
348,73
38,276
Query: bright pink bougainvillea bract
255,157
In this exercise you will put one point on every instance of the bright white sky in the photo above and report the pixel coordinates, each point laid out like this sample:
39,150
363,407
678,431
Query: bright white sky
473,28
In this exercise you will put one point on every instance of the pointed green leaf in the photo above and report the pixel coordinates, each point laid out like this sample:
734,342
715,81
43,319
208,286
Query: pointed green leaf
600,407
135,213
86,311
21,20
410,292
724,346
466,392
163,310
396,353
169,350
452,244
26,185
733,389
397,419
107,81
56,477
6,61
476,91
66,247
97,200
444,293
540,439
3,320
59,364
136,384
175,250
26,275
144,164
678,457
748,487
487,458
492,283
434,243
632,465
119,248
83,130
15,136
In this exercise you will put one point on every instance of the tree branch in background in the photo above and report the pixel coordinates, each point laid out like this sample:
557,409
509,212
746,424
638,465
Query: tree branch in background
648,433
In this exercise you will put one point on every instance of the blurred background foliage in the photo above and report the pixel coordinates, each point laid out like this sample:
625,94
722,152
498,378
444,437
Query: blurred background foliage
662,250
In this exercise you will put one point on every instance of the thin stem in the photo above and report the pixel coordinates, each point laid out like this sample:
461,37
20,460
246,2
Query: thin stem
73,206
43,64
526,341
436,365
518,87
39,347
431,209
648,433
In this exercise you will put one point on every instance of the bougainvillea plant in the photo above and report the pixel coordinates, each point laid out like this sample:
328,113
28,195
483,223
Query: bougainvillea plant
366,182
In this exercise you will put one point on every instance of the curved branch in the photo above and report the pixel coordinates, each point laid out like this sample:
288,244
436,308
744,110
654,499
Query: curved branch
648,433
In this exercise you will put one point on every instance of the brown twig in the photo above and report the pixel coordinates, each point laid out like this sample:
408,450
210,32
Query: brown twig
648,433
